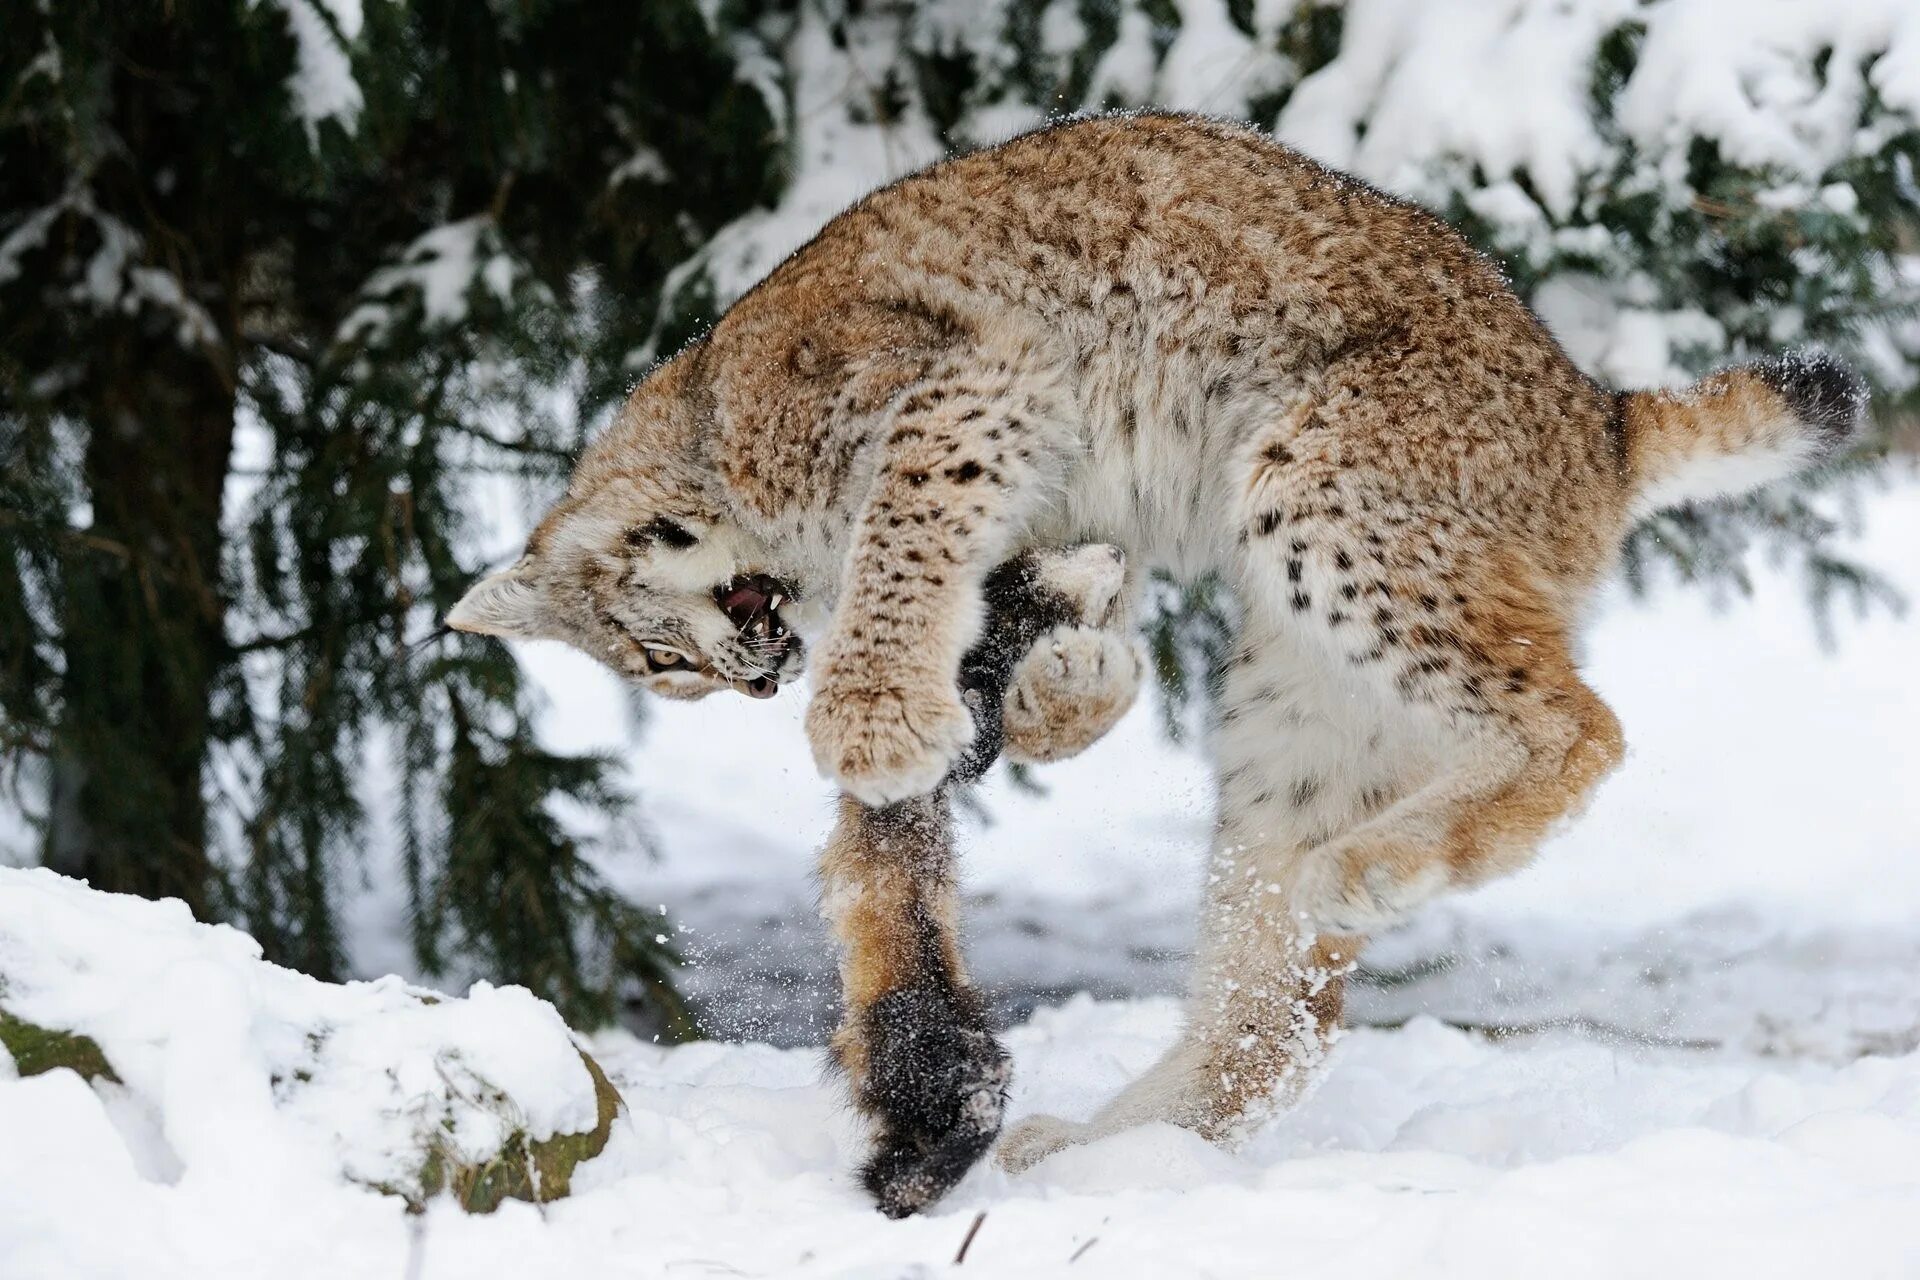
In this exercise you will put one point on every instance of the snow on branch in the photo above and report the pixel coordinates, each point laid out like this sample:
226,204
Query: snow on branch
322,85
439,271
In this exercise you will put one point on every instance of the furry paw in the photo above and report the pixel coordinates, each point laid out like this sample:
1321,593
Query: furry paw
1036,1138
1072,686
1363,892
936,1083
1089,579
883,744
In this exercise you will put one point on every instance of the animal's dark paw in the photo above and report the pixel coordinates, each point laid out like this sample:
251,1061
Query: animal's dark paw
936,1083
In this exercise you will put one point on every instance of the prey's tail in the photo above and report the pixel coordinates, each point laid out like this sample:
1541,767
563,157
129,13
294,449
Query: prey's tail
1740,428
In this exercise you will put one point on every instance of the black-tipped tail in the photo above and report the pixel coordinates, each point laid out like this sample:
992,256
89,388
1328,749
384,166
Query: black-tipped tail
937,1084
1821,389
1740,428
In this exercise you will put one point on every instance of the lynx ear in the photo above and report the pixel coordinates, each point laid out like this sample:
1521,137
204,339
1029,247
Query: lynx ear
508,603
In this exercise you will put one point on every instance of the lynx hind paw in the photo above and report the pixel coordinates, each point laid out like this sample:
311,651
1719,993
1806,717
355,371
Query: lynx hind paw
1036,1138
1069,689
1365,892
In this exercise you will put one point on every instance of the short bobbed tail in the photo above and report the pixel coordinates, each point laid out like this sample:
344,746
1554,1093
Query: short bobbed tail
1740,428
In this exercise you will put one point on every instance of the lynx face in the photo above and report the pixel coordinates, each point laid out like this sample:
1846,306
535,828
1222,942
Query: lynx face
674,602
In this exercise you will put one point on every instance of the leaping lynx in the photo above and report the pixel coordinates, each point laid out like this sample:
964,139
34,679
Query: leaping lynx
1179,337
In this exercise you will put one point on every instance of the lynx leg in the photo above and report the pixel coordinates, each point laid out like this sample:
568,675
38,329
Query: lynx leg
1403,717
1452,621
1549,740
1294,762
1073,683
967,459
1056,665
1464,656
1069,691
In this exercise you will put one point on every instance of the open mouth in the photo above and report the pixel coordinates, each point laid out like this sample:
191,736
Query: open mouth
752,603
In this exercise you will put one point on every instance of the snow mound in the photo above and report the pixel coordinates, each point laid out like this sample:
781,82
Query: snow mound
1428,1151
217,1063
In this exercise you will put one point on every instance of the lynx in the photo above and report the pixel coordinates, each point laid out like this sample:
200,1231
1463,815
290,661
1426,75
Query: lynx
1179,337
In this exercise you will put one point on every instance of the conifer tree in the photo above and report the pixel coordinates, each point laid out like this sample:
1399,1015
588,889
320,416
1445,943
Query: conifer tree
1671,194
277,282
285,283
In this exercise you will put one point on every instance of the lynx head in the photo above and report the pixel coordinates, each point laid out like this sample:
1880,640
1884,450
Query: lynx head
662,591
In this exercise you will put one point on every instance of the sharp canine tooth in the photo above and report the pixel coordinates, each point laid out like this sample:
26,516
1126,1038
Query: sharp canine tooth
773,601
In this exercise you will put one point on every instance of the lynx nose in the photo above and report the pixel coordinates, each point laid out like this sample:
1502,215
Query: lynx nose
758,687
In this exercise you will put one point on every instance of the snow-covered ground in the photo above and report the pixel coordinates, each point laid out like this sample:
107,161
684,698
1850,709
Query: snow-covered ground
1686,1042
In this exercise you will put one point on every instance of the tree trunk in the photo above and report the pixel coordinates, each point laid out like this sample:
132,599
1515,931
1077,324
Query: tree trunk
146,635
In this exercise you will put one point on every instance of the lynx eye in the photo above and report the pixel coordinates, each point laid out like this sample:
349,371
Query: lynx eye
661,659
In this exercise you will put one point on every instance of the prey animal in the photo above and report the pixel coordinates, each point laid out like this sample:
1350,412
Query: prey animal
1055,667
1179,337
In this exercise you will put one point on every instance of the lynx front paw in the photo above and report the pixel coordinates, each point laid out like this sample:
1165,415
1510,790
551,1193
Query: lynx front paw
883,745
1036,1138
1068,691
1088,578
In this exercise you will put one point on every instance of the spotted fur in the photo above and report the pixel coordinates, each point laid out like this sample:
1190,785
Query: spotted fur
1179,337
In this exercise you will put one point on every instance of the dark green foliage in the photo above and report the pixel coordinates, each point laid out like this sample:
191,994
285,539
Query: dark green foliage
1189,630
509,887
239,434
200,658
1769,268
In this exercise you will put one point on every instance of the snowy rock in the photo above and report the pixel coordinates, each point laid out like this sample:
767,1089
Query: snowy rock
33,1050
210,1063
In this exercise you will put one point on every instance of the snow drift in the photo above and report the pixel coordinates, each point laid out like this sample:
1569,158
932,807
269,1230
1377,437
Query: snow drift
208,1064
256,1108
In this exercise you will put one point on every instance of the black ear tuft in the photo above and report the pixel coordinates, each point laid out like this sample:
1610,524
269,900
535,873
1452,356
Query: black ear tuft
662,530
1821,390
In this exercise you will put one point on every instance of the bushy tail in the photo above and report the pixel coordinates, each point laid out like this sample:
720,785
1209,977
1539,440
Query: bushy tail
1740,428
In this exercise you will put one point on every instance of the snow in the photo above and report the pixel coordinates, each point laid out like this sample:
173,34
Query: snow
234,1068
1422,82
1618,335
644,165
109,281
1212,66
322,86
27,235
1687,1041
1740,72
1425,99
440,268
1430,1152
1418,81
